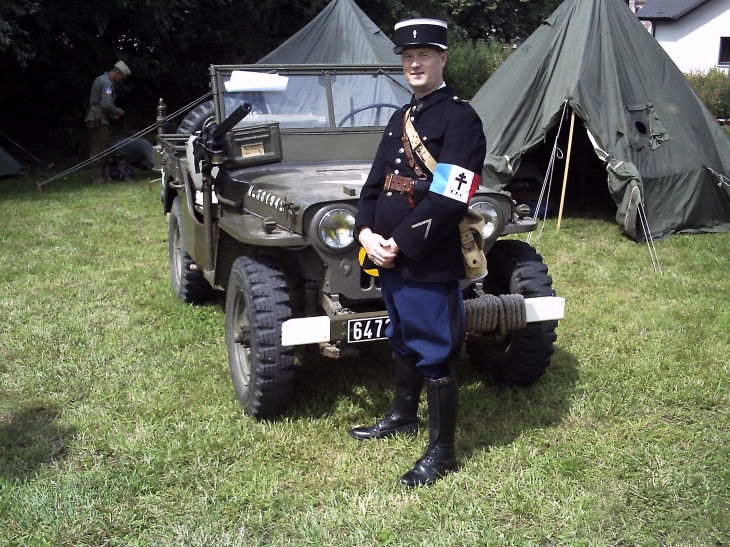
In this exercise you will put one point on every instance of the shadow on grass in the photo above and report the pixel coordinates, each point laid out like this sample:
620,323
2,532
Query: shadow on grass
489,414
365,380
493,415
31,439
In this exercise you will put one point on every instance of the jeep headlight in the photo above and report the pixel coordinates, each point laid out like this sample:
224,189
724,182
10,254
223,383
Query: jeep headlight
336,228
490,215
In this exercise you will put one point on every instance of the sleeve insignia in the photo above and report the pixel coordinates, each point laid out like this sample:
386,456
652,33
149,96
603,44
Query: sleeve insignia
454,182
428,226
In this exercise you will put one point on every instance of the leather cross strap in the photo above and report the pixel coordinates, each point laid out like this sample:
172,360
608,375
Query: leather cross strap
412,143
407,146
404,185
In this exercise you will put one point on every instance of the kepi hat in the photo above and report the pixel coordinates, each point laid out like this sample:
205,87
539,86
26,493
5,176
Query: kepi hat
123,68
420,32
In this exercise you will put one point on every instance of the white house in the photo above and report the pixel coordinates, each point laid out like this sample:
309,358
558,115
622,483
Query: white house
694,33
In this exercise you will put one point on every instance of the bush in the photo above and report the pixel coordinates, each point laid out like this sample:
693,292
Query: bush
713,88
471,64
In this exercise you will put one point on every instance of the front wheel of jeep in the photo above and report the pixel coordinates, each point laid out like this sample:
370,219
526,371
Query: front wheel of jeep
188,282
257,303
521,357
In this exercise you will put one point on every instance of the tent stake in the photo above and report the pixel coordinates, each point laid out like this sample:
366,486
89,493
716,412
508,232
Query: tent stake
567,164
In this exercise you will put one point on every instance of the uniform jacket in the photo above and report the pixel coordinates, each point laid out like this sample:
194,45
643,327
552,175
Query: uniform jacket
103,96
427,235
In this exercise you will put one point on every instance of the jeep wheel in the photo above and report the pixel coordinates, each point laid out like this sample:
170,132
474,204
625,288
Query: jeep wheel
256,304
197,118
188,282
522,357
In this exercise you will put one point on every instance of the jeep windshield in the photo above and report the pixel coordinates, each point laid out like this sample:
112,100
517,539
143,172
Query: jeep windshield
301,100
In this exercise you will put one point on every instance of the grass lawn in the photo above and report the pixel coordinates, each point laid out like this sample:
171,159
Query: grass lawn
119,425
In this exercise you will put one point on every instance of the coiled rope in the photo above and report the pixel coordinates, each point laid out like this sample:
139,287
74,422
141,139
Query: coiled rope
489,312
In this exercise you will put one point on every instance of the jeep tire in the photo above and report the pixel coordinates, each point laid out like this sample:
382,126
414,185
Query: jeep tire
257,303
188,282
197,118
522,357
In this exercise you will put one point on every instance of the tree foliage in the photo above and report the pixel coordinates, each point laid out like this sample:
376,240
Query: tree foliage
14,39
51,51
713,87
471,63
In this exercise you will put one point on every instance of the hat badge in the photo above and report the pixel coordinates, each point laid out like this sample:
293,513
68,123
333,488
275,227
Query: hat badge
414,33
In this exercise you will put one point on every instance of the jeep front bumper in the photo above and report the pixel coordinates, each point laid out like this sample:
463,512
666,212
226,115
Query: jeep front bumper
368,327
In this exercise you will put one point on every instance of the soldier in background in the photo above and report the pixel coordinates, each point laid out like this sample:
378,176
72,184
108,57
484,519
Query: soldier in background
102,108
407,222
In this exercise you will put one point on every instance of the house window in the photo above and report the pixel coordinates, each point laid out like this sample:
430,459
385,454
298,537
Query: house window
724,52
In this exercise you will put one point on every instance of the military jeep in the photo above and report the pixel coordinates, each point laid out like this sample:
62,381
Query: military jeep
261,188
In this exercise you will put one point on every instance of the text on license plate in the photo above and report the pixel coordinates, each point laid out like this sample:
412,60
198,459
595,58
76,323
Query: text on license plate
365,330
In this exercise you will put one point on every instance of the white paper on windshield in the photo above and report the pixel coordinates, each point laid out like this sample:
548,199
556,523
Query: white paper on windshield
255,81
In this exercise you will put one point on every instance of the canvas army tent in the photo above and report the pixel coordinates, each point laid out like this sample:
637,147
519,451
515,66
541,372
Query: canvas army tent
340,34
343,35
658,141
8,164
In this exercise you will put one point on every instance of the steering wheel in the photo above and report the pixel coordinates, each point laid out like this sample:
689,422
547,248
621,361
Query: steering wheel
367,107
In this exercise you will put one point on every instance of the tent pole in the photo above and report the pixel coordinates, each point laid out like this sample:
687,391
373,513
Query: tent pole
567,163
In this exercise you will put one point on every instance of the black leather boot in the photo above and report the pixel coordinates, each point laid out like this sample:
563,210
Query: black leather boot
439,457
403,414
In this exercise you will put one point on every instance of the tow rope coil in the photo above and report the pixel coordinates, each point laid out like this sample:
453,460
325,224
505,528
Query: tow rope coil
489,312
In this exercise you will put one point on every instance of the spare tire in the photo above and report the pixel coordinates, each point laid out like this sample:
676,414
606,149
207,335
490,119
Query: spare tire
197,118
204,114
522,357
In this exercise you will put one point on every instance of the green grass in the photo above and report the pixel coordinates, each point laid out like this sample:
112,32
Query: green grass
119,426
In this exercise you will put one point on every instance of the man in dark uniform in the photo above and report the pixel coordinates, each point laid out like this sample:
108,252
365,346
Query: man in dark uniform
407,221
102,108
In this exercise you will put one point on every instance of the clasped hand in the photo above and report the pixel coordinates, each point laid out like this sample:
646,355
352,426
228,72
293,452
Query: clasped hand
380,250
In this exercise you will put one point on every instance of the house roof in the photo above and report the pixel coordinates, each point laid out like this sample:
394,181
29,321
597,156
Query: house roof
671,10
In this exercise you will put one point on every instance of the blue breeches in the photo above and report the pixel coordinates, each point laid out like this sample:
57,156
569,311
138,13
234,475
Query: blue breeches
426,322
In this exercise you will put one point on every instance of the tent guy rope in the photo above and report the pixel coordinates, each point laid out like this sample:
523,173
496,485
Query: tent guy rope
125,141
548,181
649,239
24,150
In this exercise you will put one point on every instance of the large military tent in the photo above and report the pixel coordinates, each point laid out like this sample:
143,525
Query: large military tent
659,143
340,34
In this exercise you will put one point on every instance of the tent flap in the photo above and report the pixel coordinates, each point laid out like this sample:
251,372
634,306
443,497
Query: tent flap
497,172
624,181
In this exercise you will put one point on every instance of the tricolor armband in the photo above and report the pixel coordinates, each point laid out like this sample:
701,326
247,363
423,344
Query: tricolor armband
454,182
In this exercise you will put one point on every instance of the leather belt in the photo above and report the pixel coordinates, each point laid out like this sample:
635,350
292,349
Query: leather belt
398,183
404,185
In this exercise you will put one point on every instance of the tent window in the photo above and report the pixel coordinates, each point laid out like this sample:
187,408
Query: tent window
724,51
648,129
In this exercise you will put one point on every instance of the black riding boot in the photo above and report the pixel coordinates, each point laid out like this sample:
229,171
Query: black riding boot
439,457
403,414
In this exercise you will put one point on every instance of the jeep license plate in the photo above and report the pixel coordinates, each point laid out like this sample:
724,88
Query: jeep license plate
366,330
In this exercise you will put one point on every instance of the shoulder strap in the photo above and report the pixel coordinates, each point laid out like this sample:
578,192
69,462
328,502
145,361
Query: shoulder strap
411,138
